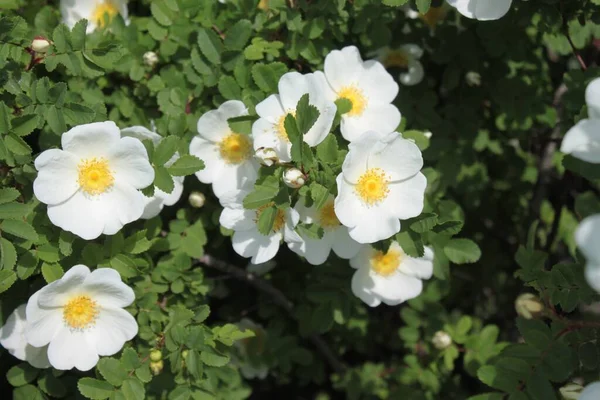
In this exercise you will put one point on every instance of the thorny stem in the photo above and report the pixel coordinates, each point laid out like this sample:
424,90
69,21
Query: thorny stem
277,296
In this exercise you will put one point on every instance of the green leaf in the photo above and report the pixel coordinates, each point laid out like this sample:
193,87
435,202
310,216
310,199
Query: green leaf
306,115
395,3
462,251
112,370
262,194
133,389
343,105
210,45
424,222
163,180
94,388
21,374
16,144
213,359
229,88
52,272
162,13
165,149
27,392
48,252
8,194
319,194
25,124
423,5
448,228
20,229
178,315
238,35
266,76
194,364
266,220
124,265
327,150
186,165
194,239
8,254
13,210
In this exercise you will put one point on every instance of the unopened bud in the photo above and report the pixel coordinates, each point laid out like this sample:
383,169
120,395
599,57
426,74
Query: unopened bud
150,58
571,391
156,367
473,78
529,306
294,178
197,199
40,44
184,354
266,156
441,340
155,355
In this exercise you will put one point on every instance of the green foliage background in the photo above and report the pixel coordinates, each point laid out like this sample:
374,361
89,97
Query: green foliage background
500,199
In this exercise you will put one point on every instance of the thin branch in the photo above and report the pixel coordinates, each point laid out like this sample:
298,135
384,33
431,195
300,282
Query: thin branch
568,36
277,296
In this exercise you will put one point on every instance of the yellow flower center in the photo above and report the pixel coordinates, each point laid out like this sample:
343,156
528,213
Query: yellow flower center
327,217
104,8
80,312
281,132
279,217
386,264
372,186
95,176
434,16
396,58
235,148
356,97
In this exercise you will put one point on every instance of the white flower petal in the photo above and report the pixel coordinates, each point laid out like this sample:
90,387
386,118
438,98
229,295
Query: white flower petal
113,328
237,218
361,282
57,293
129,162
587,237
78,215
72,349
343,67
406,198
583,141
592,275
104,286
42,323
236,176
316,251
421,268
270,108
592,98
363,257
12,338
265,136
483,10
57,177
396,288
378,117
590,392
378,85
213,125
400,158
251,243
343,245
141,133
208,152
91,140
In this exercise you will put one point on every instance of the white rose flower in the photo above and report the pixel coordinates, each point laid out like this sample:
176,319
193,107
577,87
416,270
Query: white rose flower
380,184
583,140
590,392
12,338
269,130
368,86
587,237
80,317
228,156
95,11
335,235
483,10
156,203
91,185
392,278
407,58
247,241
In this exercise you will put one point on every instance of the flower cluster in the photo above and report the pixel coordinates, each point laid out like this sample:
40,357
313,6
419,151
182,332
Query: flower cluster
70,322
379,184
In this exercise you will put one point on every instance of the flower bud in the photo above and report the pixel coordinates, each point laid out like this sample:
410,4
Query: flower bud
155,355
571,391
529,306
197,199
441,340
473,78
294,178
266,156
184,354
156,367
40,44
150,58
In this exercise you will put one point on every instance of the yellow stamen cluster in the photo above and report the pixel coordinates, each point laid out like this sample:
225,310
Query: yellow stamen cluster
279,217
356,97
386,264
80,312
104,8
281,132
95,176
372,186
327,217
235,148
